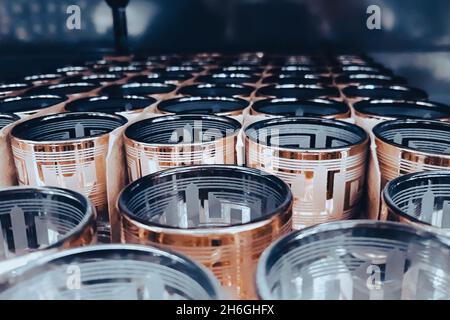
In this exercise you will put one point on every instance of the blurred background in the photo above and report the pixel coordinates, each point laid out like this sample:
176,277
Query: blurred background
414,39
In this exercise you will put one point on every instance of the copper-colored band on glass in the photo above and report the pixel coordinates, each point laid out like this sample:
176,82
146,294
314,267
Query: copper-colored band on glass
67,150
41,218
221,216
420,198
406,146
323,161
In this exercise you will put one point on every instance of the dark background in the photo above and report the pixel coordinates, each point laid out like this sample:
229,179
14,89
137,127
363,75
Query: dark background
414,39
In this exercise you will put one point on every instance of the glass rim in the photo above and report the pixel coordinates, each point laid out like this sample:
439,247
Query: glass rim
15,86
293,68
43,76
305,79
339,107
398,123
76,105
386,79
241,104
395,183
89,212
258,174
363,136
418,93
365,105
323,90
194,89
264,291
180,68
9,116
119,90
241,77
11,100
94,78
69,85
121,120
156,120
41,262
161,77
49,88
238,68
